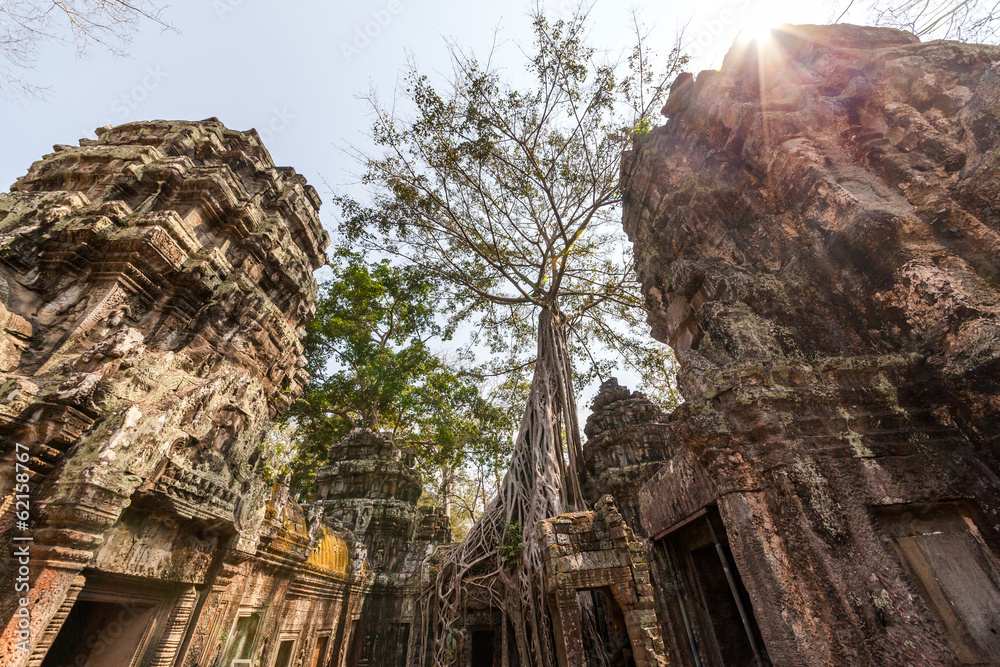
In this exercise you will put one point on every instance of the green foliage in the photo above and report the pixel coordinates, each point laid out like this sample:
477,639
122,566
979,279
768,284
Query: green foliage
367,351
369,341
364,349
452,640
643,128
461,438
512,545
280,448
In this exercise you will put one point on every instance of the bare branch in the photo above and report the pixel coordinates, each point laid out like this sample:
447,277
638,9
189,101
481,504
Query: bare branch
26,24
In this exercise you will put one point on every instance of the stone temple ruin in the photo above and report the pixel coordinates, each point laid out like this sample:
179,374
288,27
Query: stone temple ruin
816,227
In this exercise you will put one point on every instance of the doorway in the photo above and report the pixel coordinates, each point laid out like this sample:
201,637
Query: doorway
702,595
101,633
605,635
484,648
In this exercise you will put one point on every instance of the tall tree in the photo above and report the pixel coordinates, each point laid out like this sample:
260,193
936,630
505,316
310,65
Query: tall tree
508,196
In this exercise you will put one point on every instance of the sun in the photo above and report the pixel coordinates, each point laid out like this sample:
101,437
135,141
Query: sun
757,30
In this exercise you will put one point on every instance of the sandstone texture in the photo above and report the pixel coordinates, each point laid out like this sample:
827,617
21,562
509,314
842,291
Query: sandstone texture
816,229
154,283
154,288
626,445
833,192
369,491
598,579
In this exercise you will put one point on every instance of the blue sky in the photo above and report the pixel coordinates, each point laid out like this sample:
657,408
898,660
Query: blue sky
293,69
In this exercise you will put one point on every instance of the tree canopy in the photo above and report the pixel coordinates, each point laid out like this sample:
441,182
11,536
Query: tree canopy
367,344
462,441
508,198
368,352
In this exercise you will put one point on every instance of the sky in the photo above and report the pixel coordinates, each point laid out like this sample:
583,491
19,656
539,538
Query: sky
294,69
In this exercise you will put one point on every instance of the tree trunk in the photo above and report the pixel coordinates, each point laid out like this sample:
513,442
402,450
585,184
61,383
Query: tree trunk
490,567
447,482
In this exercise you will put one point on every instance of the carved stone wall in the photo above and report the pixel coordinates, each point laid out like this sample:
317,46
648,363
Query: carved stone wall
369,490
601,600
297,589
816,229
154,286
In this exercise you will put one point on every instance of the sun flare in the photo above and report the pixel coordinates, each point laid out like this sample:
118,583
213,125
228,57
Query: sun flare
759,30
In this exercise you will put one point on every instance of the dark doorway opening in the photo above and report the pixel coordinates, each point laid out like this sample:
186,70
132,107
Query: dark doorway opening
709,611
320,652
605,635
483,648
284,653
724,615
100,633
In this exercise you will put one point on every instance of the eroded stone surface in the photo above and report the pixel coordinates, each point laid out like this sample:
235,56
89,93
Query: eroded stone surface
816,231
834,194
626,444
155,283
597,576
369,491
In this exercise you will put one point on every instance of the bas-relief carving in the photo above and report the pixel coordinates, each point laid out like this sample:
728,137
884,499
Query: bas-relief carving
141,367
15,331
165,300
154,285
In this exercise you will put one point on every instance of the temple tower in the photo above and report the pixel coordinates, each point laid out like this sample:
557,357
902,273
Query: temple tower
154,285
369,490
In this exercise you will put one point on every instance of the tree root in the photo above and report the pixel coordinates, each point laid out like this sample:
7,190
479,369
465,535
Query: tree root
483,572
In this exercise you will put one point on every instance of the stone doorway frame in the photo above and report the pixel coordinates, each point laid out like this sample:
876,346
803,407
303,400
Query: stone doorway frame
173,606
567,619
616,561
682,577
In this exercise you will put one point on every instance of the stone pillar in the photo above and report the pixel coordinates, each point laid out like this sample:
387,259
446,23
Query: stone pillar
55,623
569,629
176,628
370,488
217,615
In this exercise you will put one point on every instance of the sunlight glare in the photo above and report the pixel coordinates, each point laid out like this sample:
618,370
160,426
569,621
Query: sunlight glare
757,30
